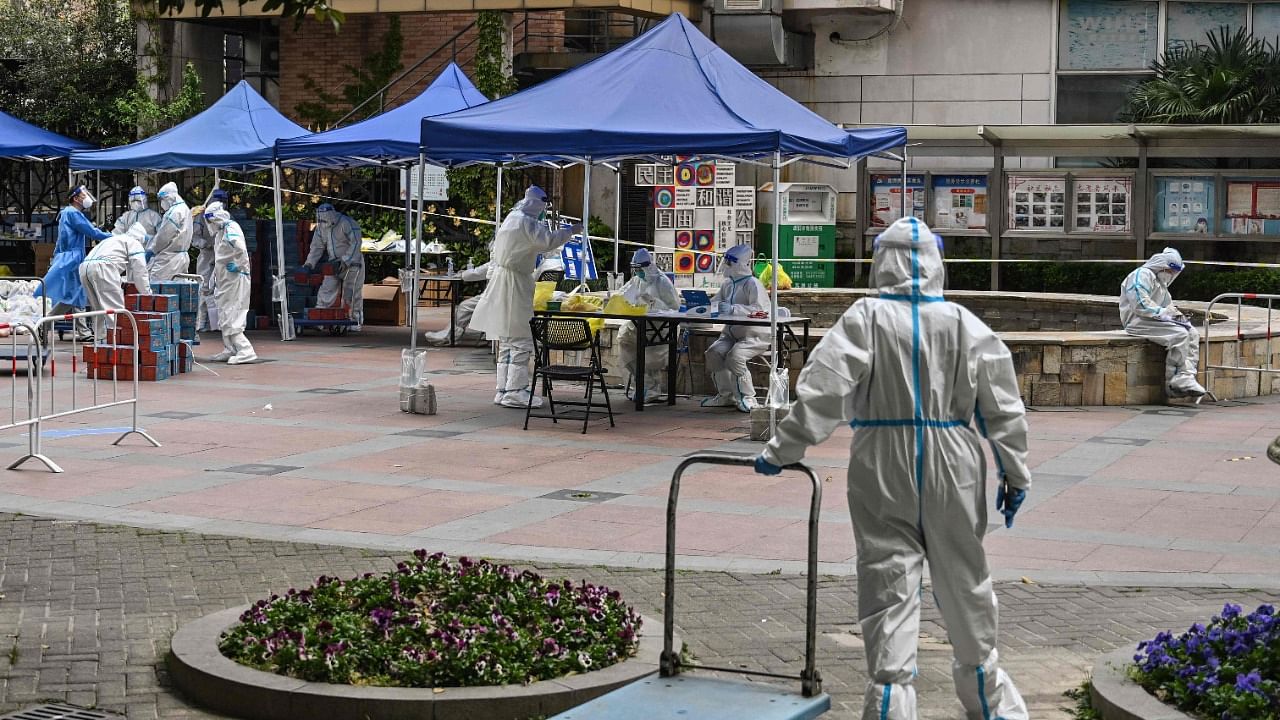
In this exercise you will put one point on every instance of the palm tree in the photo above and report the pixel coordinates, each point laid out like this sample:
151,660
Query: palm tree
1234,79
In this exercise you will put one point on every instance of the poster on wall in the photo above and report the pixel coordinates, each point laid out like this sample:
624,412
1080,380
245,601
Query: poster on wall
1253,206
1037,203
960,202
698,212
1102,204
1109,34
886,196
1183,204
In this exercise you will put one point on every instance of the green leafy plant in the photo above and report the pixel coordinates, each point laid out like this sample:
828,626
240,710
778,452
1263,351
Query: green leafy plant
299,10
436,622
1083,702
149,115
374,72
1233,78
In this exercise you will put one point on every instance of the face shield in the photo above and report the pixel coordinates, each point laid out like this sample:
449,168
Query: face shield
137,199
326,215
215,216
83,197
736,262
168,196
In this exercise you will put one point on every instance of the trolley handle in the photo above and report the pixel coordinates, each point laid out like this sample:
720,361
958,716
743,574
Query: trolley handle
670,664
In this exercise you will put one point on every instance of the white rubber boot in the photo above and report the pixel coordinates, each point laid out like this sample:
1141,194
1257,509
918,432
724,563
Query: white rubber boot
244,352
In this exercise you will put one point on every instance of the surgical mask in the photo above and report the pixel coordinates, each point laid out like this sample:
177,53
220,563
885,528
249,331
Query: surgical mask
86,202
137,203
640,273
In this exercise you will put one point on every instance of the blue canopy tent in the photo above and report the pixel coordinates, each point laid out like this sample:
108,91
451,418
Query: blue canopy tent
20,140
237,133
669,91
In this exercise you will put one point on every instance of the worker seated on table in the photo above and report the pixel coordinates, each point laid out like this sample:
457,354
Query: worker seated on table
650,287
740,295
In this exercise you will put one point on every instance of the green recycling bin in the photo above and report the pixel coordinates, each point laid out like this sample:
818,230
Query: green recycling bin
806,234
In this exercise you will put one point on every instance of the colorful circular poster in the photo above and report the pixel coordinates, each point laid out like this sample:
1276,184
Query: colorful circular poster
684,262
686,175
684,239
706,174
703,239
706,262
664,197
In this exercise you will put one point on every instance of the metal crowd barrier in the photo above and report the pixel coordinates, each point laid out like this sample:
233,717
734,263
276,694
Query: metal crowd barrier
1207,367
26,418
85,394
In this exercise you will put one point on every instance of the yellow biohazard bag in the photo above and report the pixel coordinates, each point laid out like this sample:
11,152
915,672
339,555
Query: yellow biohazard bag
585,303
542,294
784,280
618,305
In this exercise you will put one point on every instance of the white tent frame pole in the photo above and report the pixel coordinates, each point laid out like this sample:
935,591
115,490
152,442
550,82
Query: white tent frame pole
587,254
497,202
617,215
408,217
284,295
773,311
904,183
417,256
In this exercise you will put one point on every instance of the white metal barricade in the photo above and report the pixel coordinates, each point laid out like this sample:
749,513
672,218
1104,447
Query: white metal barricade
84,394
1207,367
22,404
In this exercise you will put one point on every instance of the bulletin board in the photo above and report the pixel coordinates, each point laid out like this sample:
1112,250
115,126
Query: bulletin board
1037,203
1102,204
960,202
886,196
1252,206
1184,204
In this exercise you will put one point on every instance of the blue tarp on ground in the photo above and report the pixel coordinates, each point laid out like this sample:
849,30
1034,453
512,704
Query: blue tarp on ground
19,139
670,91
392,137
238,132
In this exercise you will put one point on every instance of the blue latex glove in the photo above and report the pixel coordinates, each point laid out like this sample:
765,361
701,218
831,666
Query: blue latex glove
1008,500
148,255
309,270
764,467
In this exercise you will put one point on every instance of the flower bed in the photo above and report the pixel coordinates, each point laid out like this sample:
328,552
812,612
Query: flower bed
1228,669
435,622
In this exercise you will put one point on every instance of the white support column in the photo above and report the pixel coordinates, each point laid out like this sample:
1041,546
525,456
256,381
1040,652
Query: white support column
773,311
417,256
286,323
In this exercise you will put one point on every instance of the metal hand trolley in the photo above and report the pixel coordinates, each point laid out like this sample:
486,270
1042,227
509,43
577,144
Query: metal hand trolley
9,356
334,327
678,696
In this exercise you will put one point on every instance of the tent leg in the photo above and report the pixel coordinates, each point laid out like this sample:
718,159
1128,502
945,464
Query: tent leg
417,256
405,178
497,202
285,321
617,216
773,311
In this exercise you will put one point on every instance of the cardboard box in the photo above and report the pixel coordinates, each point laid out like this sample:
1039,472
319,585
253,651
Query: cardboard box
384,305
43,256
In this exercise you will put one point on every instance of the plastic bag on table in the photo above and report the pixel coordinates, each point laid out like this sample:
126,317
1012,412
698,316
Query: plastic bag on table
542,293
619,304
580,302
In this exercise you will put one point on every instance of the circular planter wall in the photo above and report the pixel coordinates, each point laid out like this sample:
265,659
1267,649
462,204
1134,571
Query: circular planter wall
214,681
1119,698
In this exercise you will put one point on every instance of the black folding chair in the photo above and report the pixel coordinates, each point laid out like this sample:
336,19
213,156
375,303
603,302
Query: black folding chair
567,335
554,276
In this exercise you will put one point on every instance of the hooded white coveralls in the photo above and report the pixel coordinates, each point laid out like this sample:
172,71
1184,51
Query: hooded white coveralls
172,238
117,259
920,379
231,274
727,357
202,240
337,237
506,306
657,292
1146,309
138,212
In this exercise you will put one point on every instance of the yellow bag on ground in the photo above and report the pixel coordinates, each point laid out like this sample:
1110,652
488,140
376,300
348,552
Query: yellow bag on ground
542,294
618,305
784,280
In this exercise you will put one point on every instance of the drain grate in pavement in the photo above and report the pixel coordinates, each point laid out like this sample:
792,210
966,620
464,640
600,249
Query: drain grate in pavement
584,496
326,391
176,415
1107,440
429,433
59,712
256,469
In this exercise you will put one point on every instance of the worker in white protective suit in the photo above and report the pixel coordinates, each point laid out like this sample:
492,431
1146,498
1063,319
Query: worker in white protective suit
118,259
506,307
1147,311
467,308
740,295
138,212
231,274
337,237
919,379
172,238
651,287
202,240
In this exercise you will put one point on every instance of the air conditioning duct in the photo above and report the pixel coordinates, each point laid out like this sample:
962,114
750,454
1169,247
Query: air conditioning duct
752,32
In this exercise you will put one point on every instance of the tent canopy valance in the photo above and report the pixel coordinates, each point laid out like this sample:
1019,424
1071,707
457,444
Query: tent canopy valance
669,91
238,132
20,140
394,137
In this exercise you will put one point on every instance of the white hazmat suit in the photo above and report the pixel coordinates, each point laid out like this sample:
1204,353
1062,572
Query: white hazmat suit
138,212
651,287
467,308
1147,311
740,295
506,307
231,273
113,261
337,238
914,374
202,240
172,238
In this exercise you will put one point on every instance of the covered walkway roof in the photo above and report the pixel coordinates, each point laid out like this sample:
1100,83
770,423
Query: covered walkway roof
1118,140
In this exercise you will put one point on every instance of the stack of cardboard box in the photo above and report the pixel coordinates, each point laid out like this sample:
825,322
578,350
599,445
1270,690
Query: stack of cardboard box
164,335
